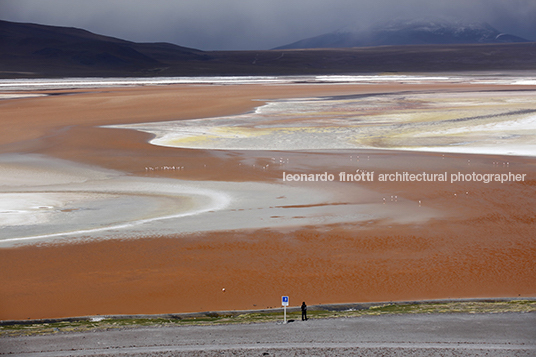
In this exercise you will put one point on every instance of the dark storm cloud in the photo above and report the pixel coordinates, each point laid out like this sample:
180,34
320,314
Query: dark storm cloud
256,24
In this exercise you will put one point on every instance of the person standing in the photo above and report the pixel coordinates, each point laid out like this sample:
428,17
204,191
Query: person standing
303,311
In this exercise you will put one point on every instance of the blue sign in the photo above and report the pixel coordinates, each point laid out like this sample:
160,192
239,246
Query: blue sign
284,300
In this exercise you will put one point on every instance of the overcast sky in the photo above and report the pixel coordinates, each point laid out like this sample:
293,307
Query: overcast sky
255,24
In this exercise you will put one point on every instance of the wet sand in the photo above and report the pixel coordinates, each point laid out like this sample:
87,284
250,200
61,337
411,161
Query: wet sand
479,243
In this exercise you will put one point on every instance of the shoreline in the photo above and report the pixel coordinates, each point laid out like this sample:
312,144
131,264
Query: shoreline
341,307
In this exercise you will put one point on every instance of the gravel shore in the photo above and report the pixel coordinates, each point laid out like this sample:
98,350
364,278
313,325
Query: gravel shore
510,334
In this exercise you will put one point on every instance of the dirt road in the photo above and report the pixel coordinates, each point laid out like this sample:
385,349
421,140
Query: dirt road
510,334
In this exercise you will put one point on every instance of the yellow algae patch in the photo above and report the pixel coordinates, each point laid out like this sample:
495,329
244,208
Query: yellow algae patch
189,140
224,132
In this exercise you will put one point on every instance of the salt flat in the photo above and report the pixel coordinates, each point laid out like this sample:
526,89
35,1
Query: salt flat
48,199
464,122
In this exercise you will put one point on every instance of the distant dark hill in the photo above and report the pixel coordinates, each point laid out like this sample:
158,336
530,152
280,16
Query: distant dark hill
65,50
28,50
401,33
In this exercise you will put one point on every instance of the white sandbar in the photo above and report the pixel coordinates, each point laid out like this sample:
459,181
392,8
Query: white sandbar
463,122
55,199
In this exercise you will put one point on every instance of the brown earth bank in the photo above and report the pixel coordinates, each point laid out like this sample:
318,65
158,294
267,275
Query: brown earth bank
481,245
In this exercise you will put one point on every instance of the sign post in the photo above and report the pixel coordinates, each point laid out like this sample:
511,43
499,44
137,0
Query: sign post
284,302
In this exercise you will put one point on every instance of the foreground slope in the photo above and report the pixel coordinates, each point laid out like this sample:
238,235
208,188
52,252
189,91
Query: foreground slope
394,335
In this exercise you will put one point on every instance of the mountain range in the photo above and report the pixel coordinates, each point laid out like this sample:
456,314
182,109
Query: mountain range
408,32
40,51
